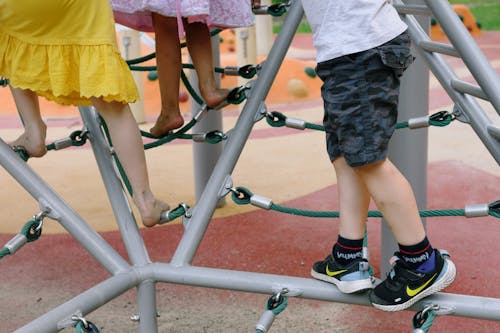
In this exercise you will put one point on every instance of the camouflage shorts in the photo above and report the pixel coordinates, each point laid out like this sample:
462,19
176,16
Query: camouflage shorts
360,93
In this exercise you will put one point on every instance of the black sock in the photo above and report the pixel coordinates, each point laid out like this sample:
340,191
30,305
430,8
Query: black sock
345,251
415,255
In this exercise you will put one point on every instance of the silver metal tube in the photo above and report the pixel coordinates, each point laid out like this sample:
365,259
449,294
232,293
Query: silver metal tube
439,47
205,155
405,145
129,230
461,305
413,9
85,303
234,145
132,239
69,219
479,121
467,88
146,303
472,56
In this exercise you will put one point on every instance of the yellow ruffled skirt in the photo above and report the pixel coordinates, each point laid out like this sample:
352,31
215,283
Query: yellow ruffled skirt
64,50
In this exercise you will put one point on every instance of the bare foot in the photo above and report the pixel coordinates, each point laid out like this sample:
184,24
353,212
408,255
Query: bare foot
165,123
33,144
215,97
150,209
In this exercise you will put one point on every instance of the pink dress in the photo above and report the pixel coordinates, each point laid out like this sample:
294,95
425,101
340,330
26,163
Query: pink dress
136,14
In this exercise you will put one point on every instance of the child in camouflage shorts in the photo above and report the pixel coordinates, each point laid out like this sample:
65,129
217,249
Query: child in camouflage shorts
363,49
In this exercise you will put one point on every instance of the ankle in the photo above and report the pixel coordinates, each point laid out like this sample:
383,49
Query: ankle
416,255
346,251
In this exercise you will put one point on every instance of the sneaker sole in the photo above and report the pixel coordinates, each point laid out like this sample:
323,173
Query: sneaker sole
347,287
444,281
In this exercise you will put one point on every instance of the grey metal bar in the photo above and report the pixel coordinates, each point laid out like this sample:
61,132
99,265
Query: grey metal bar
405,145
461,305
439,47
60,210
131,236
205,155
413,9
204,209
472,56
494,131
146,304
127,225
479,121
85,303
467,88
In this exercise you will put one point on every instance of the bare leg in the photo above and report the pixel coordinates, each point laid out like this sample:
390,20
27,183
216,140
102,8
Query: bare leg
168,58
128,145
354,200
35,130
200,49
394,197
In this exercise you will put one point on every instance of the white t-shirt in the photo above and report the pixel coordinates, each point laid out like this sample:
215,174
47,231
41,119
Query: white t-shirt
343,27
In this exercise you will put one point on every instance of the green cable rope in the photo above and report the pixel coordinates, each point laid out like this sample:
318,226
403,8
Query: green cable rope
31,230
275,306
141,59
242,196
23,154
143,68
4,82
176,212
441,118
153,54
76,139
494,209
4,252
180,134
117,160
423,320
277,9
429,322
190,89
91,328
276,310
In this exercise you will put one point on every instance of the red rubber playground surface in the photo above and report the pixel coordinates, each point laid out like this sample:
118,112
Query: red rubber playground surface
285,165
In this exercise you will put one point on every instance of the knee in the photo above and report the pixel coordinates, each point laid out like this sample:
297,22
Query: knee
108,109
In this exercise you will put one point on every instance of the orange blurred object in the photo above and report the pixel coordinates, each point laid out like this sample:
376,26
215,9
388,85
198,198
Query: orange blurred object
467,19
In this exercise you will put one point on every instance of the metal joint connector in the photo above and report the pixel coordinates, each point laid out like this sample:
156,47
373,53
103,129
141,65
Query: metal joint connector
419,122
295,123
476,210
260,201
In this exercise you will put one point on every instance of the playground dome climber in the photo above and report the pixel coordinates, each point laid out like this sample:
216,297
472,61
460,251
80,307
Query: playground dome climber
138,272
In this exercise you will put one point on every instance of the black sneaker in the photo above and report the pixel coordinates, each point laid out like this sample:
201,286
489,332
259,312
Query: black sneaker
404,287
349,279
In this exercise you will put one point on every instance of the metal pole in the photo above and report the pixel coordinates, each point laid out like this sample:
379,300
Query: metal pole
86,302
60,210
136,249
472,56
205,155
408,149
206,205
456,304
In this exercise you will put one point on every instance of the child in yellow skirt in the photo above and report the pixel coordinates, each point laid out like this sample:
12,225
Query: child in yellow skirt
66,51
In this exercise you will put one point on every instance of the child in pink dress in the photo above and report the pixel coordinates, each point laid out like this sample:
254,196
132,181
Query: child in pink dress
169,19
